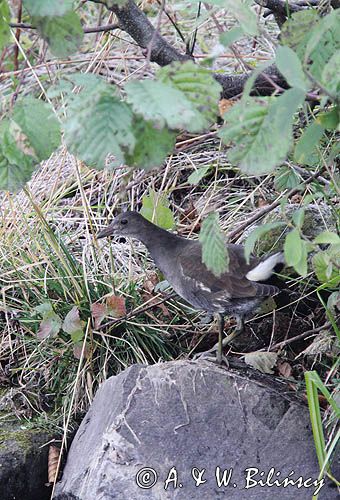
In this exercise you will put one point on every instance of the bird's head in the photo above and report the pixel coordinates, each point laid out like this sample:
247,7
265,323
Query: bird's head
125,224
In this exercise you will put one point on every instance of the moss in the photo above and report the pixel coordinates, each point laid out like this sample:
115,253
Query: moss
22,438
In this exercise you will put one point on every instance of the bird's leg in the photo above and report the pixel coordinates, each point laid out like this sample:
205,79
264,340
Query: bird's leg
220,322
219,358
237,331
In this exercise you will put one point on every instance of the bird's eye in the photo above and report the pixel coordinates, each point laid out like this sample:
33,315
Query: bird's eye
124,222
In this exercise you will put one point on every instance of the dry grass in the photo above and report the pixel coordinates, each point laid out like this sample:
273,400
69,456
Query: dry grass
49,251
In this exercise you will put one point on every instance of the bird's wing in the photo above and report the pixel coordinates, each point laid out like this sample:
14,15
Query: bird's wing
231,284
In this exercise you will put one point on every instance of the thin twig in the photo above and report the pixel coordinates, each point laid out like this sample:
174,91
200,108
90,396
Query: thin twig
303,335
265,210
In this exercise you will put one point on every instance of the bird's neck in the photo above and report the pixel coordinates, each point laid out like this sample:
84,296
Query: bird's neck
160,243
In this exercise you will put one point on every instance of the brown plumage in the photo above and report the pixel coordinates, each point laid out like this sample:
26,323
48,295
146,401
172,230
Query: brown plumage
236,292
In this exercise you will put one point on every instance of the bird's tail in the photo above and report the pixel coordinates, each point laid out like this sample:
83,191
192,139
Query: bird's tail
265,268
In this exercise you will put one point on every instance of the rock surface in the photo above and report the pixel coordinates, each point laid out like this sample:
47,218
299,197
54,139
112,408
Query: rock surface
23,464
187,417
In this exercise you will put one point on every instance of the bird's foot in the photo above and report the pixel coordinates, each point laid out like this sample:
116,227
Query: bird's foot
212,357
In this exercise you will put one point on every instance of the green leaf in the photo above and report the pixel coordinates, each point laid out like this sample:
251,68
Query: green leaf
255,235
331,74
98,124
231,36
244,15
290,67
242,12
286,178
323,42
295,251
198,86
262,361
63,34
73,325
16,167
5,17
51,322
329,120
152,145
306,150
163,104
38,122
156,209
327,237
298,217
326,265
44,8
197,175
296,31
214,250
261,130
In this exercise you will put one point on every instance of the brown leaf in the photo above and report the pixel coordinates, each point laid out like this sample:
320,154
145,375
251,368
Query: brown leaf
224,105
49,327
98,312
284,368
262,361
116,306
77,350
53,459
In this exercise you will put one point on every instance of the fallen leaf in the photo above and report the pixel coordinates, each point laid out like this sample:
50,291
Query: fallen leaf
53,460
78,348
262,361
98,312
284,368
224,105
116,306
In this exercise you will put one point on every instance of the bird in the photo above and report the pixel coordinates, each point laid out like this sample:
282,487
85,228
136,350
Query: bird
237,292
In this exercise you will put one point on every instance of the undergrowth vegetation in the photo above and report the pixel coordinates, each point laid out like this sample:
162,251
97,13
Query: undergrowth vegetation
74,310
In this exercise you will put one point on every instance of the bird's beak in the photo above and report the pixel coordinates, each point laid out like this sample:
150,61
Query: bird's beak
107,231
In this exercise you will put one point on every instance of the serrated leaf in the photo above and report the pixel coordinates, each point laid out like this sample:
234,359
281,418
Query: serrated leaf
306,150
327,237
298,217
73,325
290,67
164,105
262,361
331,74
261,130
295,251
296,31
152,145
323,42
156,209
286,178
51,322
214,250
231,36
48,7
257,234
98,124
116,306
5,17
324,268
197,175
63,34
16,167
38,122
198,86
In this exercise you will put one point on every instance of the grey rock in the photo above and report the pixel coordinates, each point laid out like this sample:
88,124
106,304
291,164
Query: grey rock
23,463
190,415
